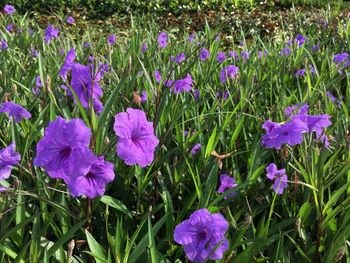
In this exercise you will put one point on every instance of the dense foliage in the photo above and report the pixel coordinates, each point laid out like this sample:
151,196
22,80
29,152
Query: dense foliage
207,107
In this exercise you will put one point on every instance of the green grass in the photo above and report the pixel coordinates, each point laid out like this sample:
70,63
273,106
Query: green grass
134,221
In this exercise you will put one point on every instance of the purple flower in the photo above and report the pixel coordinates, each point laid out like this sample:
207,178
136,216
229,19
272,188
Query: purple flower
92,183
222,94
9,9
285,52
226,183
315,48
234,55
111,39
262,54
196,94
300,73
68,64
162,39
8,158
228,72
50,33
86,44
63,151
315,123
10,27
38,85
204,54
144,96
312,69
191,37
70,20
86,85
245,55
34,52
158,76
136,139
15,111
144,47
278,176
203,236
181,85
290,133
221,57
300,39
196,148
179,58
298,109
3,45
341,60
332,98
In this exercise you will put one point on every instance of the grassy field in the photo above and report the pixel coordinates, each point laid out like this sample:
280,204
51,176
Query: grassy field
171,112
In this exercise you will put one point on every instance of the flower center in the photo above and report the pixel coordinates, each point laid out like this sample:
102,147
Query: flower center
64,154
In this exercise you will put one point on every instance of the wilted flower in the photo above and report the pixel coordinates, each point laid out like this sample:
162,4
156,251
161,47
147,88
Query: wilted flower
228,72
111,39
162,39
226,183
8,158
9,9
278,176
92,183
63,151
203,236
204,54
68,64
50,33
196,148
70,20
136,139
15,111
221,57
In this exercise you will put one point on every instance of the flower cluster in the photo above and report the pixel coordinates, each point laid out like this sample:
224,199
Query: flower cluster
64,153
291,132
